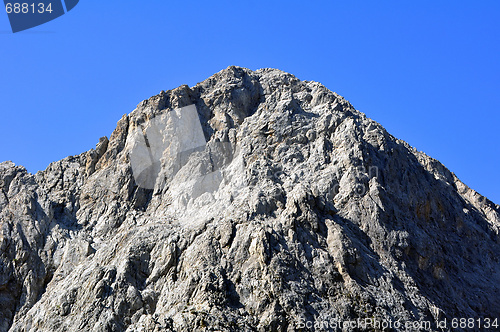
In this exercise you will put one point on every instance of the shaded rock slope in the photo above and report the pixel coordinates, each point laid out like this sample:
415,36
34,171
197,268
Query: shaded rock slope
318,215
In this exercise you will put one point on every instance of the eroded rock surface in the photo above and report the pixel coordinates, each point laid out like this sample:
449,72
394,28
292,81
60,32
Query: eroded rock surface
319,215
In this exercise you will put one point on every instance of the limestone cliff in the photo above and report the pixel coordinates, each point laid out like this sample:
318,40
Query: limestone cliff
296,210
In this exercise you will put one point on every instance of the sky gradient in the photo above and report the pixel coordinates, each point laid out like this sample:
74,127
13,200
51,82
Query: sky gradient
428,71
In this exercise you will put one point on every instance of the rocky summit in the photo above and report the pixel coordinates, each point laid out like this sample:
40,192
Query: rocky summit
253,201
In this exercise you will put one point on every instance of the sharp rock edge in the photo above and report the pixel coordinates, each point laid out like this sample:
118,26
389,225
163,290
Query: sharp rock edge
338,220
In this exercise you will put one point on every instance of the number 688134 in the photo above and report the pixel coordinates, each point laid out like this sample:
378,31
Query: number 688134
28,8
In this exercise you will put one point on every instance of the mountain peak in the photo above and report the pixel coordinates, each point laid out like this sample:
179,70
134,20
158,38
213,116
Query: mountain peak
250,201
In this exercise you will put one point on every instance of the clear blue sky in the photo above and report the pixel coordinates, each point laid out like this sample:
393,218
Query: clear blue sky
428,71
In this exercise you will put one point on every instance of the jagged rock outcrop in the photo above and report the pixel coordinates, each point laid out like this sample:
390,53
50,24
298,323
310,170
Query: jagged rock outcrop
316,215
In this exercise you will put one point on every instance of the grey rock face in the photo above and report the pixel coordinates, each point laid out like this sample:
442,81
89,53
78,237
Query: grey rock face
316,216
